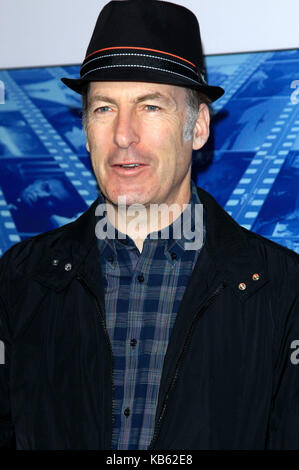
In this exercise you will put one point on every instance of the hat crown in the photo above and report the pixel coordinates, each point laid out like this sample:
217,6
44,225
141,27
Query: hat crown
151,24
147,41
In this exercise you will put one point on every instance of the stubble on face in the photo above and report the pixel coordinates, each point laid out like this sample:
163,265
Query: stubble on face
155,140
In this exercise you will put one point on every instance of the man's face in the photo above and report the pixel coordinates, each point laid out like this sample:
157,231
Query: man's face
142,123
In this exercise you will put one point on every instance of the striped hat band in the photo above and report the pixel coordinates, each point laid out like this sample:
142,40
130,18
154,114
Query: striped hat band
142,58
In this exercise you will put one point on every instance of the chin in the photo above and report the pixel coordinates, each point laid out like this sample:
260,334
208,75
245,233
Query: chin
131,198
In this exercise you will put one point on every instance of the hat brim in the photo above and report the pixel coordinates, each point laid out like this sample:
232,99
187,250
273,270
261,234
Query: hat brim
78,85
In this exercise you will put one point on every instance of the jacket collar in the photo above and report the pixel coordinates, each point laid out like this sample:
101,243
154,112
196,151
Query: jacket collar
227,245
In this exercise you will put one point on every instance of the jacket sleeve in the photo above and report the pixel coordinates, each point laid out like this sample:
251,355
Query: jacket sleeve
7,435
284,418
6,428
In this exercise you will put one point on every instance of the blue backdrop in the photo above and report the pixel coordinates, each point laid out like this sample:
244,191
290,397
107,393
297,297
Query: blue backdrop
250,163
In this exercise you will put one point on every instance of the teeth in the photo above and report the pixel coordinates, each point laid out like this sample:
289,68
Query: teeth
130,165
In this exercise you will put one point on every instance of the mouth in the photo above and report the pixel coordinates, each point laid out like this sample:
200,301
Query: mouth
129,168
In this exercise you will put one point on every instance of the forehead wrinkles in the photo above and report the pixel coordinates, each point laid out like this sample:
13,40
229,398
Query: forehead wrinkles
143,97
167,94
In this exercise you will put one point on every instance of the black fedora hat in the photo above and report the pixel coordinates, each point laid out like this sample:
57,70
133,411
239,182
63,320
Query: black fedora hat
146,41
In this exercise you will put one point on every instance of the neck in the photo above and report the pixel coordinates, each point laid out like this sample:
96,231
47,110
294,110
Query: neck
138,220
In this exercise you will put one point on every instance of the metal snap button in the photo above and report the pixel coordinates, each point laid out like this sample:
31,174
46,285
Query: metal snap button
242,286
255,277
68,266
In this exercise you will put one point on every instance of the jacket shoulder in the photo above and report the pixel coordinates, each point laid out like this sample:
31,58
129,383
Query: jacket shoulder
227,231
280,260
29,253
272,246
31,247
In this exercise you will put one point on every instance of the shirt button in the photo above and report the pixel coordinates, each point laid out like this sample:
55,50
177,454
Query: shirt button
68,266
140,278
55,262
133,342
111,259
127,412
173,256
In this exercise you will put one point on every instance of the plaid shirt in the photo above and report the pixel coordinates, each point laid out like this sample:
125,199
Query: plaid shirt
143,292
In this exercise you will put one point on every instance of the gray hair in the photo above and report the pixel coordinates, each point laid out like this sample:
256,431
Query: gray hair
194,99
85,92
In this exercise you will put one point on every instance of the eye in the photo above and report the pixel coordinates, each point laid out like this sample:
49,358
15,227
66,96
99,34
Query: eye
102,109
152,107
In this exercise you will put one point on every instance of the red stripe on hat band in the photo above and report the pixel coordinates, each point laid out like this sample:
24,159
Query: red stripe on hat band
143,49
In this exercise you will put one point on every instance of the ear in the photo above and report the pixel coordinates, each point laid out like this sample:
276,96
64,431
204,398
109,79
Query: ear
202,127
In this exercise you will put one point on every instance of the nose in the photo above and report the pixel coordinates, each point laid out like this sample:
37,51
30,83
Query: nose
125,132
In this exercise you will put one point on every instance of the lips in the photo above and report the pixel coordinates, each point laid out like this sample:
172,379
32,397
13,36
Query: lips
121,170
129,163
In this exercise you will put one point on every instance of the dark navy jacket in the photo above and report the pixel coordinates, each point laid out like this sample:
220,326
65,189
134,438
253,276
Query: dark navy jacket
231,372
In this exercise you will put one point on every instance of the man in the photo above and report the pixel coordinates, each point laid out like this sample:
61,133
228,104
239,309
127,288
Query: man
138,340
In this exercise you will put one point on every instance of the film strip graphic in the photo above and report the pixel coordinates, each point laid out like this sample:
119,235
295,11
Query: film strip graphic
251,192
237,79
78,175
253,188
246,199
58,72
8,230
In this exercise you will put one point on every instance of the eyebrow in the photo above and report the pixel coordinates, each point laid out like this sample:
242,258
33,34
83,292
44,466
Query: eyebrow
140,99
153,96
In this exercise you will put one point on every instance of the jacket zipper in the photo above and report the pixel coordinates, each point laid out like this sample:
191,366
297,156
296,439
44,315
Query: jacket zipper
180,359
108,342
